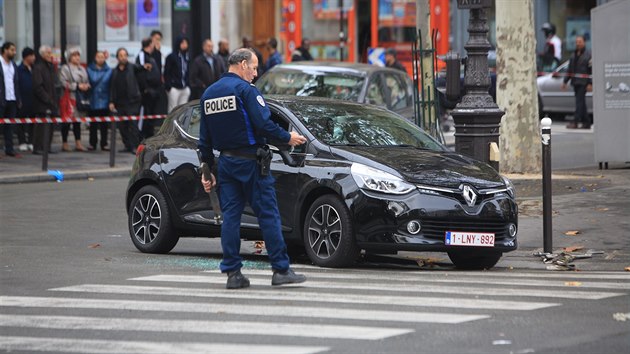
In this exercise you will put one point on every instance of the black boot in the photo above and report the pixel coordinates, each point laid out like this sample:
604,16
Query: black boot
287,277
236,280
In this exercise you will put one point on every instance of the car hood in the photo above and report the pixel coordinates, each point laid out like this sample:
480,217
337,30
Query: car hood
428,167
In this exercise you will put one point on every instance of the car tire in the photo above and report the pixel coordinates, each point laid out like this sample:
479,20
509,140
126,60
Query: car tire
474,262
149,222
328,235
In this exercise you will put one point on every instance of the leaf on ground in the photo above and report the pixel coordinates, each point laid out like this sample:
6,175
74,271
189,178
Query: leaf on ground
94,245
572,283
573,248
572,233
602,209
627,269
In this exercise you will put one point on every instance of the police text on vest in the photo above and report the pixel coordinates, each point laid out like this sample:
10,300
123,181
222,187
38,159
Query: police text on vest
219,105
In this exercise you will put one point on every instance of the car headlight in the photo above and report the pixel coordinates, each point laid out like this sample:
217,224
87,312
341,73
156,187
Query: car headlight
510,186
379,181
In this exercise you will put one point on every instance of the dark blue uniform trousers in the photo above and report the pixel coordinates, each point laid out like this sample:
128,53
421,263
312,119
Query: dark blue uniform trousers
240,182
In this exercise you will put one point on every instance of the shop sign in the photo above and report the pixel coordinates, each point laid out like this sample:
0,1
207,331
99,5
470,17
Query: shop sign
147,13
116,20
181,5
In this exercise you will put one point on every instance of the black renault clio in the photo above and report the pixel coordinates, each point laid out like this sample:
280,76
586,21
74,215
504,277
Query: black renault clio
369,180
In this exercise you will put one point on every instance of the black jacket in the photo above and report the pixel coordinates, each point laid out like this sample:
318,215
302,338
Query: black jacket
149,81
16,86
133,89
45,84
397,65
174,75
301,54
202,75
580,63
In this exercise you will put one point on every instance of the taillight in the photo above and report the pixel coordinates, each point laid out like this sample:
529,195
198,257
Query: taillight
139,150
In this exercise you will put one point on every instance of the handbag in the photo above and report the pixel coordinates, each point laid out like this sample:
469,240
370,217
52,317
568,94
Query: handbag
83,101
66,104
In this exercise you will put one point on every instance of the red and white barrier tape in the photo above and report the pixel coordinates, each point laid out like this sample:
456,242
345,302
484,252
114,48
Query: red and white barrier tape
557,74
38,120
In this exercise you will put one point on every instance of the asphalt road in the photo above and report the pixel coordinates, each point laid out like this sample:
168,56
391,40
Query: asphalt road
72,281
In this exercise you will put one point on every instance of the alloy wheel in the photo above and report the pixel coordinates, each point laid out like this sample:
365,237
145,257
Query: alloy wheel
324,231
146,219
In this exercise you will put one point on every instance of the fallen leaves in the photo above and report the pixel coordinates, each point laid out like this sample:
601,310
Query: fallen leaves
627,269
573,248
572,233
602,209
94,245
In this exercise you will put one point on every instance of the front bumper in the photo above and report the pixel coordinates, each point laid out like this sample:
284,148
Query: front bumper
380,221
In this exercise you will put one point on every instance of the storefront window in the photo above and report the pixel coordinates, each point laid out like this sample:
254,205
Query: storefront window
320,23
16,24
124,23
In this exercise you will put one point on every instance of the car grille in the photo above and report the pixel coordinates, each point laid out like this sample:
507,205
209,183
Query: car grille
436,229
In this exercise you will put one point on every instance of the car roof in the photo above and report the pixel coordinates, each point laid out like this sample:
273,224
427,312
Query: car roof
358,69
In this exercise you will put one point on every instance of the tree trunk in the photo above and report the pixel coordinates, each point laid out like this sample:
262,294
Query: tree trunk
423,23
517,93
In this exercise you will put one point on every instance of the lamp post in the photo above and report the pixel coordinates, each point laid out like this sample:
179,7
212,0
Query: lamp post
477,118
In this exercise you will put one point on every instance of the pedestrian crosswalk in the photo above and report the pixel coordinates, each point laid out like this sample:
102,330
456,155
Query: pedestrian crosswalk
332,307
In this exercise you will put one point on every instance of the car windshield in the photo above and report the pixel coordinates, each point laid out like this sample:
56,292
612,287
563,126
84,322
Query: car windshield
356,125
311,83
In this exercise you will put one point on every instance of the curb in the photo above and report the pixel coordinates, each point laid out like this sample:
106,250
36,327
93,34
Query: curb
69,175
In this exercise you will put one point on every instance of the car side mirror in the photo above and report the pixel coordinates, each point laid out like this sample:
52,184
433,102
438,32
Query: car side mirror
284,150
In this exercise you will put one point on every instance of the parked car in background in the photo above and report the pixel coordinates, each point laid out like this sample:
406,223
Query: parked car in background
362,83
555,101
371,180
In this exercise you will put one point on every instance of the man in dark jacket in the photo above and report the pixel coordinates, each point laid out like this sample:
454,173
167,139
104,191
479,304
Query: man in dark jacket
176,74
579,74
150,82
205,70
224,52
125,99
391,61
25,77
45,98
9,94
302,53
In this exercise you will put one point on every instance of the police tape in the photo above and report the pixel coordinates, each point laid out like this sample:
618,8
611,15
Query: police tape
40,120
557,74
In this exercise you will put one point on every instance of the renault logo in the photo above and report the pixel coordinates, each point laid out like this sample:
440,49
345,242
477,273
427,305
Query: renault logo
469,195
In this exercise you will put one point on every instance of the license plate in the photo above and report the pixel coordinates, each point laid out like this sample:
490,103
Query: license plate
476,239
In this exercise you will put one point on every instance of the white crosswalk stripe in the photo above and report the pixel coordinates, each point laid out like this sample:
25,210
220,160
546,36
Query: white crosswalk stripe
309,296
418,287
75,345
194,326
331,305
240,309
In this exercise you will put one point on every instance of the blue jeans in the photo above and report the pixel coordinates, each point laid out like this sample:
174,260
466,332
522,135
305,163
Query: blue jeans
239,182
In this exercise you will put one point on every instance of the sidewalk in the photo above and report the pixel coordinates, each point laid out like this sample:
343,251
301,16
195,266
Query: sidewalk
74,165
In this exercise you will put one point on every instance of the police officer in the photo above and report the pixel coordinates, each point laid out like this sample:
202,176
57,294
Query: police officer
236,121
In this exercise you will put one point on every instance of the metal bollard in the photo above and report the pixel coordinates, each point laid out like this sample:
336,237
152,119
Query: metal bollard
112,143
545,127
46,142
